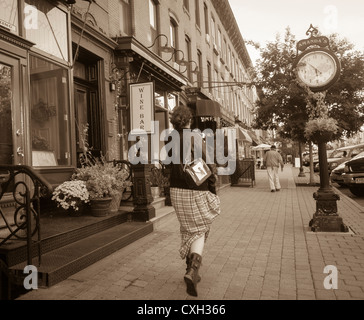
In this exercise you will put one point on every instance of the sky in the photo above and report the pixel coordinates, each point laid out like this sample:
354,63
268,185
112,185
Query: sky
261,20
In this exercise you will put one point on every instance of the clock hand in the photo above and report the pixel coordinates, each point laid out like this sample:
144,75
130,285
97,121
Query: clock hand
317,70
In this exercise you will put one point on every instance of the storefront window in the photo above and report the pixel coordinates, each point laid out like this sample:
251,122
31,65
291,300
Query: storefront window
159,99
49,113
9,15
172,101
46,26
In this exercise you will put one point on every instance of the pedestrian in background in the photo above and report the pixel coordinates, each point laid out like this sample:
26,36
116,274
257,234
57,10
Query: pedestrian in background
196,206
273,160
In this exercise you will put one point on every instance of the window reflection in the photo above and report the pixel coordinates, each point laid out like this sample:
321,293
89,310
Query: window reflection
9,15
6,141
49,33
124,17
172,101
49,113
159,99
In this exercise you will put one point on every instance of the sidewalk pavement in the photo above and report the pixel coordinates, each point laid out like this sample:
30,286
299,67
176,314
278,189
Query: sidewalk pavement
259,248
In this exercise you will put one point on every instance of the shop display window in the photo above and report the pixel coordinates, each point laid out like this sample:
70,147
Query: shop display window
49,113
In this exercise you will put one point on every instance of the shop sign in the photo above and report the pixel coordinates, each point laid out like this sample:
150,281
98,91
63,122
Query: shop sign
141,107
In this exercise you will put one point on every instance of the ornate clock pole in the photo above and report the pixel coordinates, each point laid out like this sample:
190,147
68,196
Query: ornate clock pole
317,69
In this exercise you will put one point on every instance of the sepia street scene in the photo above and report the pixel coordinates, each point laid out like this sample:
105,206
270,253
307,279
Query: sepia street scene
180,156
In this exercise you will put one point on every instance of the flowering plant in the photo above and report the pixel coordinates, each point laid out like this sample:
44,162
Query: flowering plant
157,179
102,178
321,125
71,194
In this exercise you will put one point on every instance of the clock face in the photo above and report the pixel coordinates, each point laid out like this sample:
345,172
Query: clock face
317,69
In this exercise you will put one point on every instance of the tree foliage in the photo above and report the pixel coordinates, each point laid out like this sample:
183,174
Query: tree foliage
283,105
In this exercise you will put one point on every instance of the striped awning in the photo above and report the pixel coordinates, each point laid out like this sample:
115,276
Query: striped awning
243,135
254,137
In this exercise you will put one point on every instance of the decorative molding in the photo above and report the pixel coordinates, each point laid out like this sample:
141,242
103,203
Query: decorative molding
15,40
92,33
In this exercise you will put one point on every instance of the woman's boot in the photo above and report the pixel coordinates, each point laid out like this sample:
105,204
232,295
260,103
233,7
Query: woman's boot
188,261
191,277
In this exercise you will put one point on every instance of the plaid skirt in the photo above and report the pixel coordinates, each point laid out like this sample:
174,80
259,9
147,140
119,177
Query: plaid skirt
195,212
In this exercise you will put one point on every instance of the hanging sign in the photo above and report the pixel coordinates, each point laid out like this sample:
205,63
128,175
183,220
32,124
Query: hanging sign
141,107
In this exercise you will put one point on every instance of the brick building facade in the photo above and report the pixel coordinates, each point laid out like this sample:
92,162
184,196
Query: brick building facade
70,64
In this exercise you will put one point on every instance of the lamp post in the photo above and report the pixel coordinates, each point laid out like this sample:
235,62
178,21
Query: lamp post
317,69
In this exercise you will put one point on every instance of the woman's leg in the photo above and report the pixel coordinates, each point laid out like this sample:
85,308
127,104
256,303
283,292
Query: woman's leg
193,260
198,245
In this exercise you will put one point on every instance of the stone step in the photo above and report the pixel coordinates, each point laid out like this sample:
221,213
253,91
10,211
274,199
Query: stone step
63,262
15,251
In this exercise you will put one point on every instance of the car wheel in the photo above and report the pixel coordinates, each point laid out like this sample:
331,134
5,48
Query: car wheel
359,192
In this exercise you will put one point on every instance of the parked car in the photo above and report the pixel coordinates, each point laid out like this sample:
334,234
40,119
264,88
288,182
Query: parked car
306,158
341,155
337,174
315,160
354,176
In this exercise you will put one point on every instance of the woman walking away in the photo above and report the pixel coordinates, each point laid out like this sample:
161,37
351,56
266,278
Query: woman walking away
196,206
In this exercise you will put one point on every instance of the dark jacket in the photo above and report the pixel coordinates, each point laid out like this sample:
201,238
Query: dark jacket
178,176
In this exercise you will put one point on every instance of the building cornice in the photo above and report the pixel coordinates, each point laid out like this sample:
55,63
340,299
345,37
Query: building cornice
228,20
15,39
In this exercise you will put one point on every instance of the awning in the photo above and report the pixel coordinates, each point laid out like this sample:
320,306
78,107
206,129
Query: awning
243,135
208,108
254,137
262,146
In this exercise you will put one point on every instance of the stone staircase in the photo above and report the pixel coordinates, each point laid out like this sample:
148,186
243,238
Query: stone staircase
69,252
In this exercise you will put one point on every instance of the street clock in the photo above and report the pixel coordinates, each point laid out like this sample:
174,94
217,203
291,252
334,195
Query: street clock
317,67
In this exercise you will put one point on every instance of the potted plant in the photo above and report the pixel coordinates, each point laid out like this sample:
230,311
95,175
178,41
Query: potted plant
103,181
157,181
321,129
71,196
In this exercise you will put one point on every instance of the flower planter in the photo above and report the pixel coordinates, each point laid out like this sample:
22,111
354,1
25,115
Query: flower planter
115,203
156,191
100,207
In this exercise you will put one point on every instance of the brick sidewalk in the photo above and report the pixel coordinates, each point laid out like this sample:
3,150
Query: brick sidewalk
259,248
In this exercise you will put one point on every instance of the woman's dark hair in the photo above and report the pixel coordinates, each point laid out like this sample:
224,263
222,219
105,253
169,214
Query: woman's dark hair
181,117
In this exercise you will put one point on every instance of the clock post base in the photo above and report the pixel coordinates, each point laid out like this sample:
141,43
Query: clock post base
326,218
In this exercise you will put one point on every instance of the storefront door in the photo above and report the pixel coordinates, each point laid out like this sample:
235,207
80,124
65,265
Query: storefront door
11,125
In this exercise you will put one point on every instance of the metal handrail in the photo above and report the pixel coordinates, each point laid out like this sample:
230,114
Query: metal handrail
26,187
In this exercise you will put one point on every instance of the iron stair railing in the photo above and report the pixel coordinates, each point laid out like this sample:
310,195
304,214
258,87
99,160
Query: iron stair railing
24,187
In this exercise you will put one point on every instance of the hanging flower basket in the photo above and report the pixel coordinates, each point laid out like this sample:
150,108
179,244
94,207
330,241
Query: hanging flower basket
321,136
321,129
